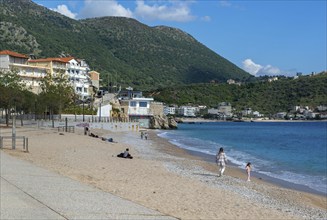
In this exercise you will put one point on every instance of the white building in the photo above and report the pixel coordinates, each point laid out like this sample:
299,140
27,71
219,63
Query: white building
104,111
169,110
187,111
31,75
213,111
76,71
139,107
78,75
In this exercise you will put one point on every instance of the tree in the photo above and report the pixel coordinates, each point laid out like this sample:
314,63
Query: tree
11,87
57,93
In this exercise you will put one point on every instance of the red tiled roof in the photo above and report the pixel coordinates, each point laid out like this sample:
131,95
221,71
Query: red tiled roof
67,59
56,59
13,54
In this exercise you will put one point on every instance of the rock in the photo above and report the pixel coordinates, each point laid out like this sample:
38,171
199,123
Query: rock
162,122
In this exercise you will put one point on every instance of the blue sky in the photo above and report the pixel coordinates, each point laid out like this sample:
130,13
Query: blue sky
261,37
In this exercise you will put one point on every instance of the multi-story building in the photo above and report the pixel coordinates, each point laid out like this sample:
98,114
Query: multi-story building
187,111
33,70
169,110
31,74
76,71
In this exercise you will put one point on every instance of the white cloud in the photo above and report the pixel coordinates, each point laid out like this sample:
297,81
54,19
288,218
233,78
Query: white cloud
225,3
167,11
100,8
268,70
206,18
251,67
63,9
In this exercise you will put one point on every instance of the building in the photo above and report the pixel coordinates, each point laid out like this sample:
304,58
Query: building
169,110
33,70
281,115
31,74
213,111
138,109
247,111
78,75
187,111
128,93
75,70
225,108
95,79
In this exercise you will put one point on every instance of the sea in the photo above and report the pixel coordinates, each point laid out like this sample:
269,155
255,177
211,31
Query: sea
293,154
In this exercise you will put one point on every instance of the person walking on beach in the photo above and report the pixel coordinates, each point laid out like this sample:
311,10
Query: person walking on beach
248,170
221,160
146,136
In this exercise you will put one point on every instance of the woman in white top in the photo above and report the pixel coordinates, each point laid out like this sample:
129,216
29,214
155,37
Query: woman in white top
221,160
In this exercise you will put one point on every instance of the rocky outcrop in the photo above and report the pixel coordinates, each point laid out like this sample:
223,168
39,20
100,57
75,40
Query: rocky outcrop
162,122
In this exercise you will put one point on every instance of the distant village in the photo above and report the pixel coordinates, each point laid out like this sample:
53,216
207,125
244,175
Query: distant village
127,104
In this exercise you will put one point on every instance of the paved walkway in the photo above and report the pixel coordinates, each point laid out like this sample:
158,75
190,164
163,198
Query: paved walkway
31,192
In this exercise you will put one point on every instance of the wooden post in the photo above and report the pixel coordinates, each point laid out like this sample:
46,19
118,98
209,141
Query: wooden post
26,148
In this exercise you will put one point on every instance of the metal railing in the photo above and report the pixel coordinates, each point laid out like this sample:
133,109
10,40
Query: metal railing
14,142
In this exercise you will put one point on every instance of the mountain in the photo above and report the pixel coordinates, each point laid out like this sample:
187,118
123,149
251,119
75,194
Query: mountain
123,50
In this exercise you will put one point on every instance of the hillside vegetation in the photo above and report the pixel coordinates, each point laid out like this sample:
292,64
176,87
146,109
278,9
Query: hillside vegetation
123,50
265,97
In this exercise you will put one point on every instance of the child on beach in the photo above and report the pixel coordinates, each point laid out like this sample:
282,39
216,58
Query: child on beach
221,160
248,170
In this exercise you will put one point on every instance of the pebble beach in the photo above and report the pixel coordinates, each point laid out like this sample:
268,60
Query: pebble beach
163,177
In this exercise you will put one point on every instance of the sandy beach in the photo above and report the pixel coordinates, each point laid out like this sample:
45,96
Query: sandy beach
164,177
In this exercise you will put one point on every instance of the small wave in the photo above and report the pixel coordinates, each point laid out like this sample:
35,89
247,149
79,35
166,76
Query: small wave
317,183
240,158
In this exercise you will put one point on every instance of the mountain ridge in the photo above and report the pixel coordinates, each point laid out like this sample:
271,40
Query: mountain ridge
123,50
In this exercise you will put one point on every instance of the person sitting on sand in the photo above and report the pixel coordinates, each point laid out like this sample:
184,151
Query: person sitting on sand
221,160
126,154
248,170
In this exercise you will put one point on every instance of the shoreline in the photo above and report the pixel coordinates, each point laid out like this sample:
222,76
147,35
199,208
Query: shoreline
202,120
254,175
164,177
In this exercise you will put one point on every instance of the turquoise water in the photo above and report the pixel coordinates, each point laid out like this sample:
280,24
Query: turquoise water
295,152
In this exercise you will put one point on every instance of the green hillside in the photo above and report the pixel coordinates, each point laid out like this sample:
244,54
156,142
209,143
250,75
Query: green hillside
121,49
266,97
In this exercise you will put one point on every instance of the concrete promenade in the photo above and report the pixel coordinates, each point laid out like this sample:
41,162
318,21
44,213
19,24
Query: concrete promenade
30,192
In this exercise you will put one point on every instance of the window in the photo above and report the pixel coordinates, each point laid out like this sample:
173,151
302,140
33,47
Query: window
132,104
143,104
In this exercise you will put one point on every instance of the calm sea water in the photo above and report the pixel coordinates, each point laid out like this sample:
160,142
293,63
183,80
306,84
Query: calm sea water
295,152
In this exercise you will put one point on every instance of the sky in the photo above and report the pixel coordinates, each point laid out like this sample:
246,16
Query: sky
277,37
